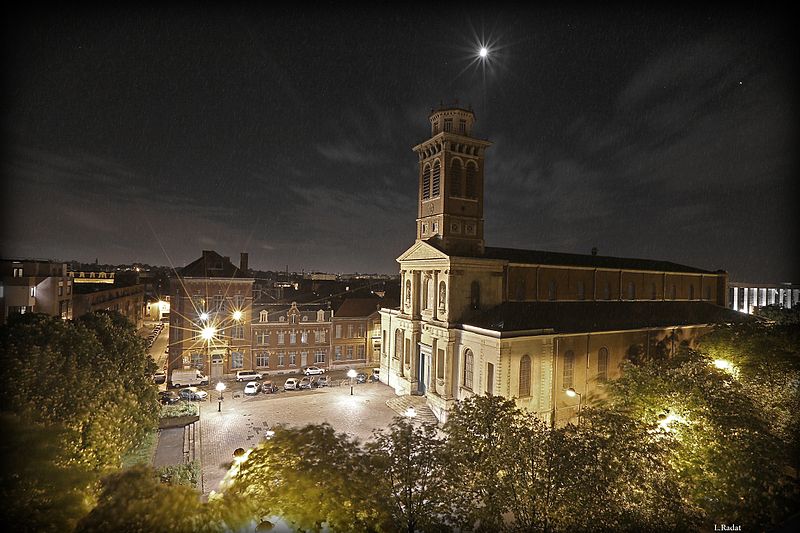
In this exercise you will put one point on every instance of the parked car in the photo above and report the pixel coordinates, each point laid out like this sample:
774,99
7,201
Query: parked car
361,377
160,377
269,387
247,375
168,397
321,381
304,383
252,387
291,384
312,370
193,393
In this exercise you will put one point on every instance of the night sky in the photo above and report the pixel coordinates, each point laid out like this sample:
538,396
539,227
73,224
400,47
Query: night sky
151,134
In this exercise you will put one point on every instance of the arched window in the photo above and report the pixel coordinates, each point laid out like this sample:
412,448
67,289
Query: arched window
520,290
262,316
552,290
471,180
469,363
631,290
426,182
437,173
408,292
525,376
602,364
673,292
708,293
475,295
653,291
442,295
455,178
691,292
607,291
430,293
569,370
581,291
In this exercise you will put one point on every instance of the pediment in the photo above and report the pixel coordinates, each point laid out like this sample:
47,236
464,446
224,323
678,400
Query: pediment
422,251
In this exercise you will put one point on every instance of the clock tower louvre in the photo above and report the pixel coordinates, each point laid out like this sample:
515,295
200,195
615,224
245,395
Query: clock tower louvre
451,170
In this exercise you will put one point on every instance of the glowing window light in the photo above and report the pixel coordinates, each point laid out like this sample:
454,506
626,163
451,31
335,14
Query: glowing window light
208,332
237,315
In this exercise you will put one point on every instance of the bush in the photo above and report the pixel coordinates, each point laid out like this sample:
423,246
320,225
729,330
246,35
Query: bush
180,409
187,474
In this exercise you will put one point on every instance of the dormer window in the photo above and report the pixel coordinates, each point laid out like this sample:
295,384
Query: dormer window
262,316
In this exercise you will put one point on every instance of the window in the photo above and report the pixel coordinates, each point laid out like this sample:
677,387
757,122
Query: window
456,178
197,360
304,337
552,290
262,316
318,336
525,376
475,295
60,290
708,293
338,331
17,272
581,291
470,180
691,292
469,363
462,126
360,351
292,358
293,319
292,337
319,356
448,124
569,370
238,301
281,358
653,291
349,352
440,363
437,172
602,364
673,292
237,332
262,337
281,337
442,295
607,291
237,360
426,182
408,292
631,290
320,316
361,330
282,319
398,344
217,302
262,359
337,353
350,331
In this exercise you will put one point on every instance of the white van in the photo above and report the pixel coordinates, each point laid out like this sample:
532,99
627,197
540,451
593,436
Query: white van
247,375
186,377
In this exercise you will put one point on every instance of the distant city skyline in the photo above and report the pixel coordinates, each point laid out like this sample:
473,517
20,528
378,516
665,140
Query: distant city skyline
151,134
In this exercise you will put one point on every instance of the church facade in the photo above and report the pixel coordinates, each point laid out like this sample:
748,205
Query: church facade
523,324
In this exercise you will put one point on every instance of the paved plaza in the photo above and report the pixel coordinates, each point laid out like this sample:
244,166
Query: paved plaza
243,420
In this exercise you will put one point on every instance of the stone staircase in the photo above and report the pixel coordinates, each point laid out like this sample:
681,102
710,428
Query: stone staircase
400,405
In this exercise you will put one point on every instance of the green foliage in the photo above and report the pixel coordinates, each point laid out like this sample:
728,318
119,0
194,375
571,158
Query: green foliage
727,457
187,474
135,500
311,477
143,453
41,489
409,473
180,409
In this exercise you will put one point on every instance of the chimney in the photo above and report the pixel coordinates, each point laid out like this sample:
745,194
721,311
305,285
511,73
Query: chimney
243,262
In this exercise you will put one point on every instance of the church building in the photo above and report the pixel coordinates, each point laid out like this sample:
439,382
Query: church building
525,324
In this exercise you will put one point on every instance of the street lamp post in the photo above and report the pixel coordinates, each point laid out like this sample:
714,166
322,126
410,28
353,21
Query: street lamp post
571,392
351,374
220,388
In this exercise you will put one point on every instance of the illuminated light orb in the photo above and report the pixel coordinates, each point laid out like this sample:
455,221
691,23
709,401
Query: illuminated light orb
208,332
237,315
722,364
203,316
483,52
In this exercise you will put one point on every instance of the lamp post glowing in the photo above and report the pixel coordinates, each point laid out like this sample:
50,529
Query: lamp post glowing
220,387
483,52
571,392
351,374
411,412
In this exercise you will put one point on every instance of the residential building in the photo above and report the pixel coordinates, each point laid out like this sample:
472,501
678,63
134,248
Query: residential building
355,333
211,303
34,286
523,324
286,339
127,300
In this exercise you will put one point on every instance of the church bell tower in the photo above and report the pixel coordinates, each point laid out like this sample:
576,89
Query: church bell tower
451,163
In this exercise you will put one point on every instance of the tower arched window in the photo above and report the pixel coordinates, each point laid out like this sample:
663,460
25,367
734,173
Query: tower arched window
436,179
471,180
408,292
607,291
442,296
525,376
673,292
475,295
426,182
456,178
691,292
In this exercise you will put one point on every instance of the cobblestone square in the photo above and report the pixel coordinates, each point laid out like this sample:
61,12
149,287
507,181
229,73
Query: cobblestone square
243,420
